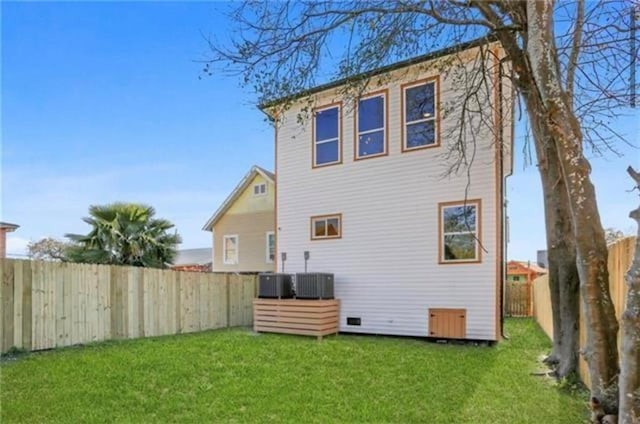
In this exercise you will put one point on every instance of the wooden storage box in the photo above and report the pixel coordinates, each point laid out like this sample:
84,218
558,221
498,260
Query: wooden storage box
296,316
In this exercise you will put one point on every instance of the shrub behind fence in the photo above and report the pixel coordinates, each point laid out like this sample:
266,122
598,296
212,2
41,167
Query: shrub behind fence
51,304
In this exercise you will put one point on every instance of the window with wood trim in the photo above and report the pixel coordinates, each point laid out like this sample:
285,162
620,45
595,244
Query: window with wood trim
420,115
460,232
326,227
270,247
371,121
326,136
230,250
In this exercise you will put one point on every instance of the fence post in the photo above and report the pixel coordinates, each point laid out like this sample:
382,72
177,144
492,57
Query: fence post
227,280
7,304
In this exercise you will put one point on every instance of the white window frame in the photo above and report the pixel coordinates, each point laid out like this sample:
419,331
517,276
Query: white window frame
434,118
267,235
477,232
384,130
225,260
329,140
259,188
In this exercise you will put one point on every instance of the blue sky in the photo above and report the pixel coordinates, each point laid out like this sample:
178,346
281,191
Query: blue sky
101,102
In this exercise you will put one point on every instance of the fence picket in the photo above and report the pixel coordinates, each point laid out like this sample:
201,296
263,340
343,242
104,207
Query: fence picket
53,304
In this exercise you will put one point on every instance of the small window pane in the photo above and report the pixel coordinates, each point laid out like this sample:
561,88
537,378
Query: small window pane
459,218
256,189
230,243
333,227
327,152
320,229
421,134
420,102
371,143
327,124
371,114
459,247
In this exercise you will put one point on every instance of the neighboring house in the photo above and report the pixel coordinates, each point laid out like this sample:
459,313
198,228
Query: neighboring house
524,272
243,227
5,228
362,190
193,260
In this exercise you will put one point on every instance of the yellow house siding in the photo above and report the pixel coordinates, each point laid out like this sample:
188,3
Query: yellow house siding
251,229
248,202
250,217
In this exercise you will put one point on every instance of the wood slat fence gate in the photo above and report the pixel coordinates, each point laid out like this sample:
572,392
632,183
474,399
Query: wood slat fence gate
518,299
52,304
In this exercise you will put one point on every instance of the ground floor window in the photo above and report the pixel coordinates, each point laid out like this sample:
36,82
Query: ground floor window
459,229
230,249
326,227
271,247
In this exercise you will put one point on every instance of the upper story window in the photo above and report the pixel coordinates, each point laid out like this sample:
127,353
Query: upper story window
372,126
260,189
326,136
420,115
326,227
460,232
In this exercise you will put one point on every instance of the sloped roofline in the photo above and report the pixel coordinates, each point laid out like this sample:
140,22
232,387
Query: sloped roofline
9,226
489,38
241,187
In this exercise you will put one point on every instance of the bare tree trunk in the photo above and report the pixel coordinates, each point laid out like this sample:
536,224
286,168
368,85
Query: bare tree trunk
601,350
563,273
630,353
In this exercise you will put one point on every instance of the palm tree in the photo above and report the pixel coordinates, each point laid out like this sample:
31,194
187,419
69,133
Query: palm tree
125,234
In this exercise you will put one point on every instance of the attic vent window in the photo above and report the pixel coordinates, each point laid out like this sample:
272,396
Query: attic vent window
260,189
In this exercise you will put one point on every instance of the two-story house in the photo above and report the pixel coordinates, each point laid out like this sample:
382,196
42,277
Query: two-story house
364,186
242,228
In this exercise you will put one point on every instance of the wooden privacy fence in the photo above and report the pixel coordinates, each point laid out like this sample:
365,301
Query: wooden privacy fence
518,299
51,304
620,257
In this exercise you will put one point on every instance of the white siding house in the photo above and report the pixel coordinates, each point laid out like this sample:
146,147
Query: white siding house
369,198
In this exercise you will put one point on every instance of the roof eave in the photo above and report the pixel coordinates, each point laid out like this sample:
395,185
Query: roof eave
237,191
384,69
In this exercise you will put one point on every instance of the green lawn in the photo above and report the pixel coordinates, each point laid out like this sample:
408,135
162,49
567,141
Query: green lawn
237,376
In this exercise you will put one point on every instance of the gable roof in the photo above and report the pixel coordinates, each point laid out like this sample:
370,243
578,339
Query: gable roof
382,70
240,188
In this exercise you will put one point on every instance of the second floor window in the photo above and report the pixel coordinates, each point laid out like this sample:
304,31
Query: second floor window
326,137
372,125
420,116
